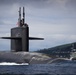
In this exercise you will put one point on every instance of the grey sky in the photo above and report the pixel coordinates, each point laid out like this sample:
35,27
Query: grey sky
55,20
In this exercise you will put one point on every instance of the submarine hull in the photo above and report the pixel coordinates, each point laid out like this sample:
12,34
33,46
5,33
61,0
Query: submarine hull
24,57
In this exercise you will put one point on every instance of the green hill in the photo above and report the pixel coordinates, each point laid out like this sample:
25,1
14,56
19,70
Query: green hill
60,51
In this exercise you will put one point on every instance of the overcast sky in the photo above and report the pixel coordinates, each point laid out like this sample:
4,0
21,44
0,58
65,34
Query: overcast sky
54,20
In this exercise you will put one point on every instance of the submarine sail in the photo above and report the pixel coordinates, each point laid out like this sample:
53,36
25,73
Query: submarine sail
20,35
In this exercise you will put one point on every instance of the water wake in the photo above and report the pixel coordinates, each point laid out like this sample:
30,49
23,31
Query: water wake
58,60
12,63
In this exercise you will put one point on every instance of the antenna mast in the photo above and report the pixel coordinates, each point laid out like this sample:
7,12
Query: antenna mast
19,20
23,16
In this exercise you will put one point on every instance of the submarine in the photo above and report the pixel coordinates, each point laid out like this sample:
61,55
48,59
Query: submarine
20,45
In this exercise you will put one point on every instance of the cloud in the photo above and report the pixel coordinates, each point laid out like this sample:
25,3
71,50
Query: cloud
54,20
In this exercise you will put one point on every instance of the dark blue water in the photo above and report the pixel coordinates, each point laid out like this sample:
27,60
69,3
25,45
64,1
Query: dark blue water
59,68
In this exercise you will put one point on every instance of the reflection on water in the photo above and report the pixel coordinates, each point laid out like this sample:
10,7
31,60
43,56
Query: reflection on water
56,68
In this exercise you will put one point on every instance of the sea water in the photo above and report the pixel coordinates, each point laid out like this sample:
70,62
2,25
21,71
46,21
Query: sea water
56,68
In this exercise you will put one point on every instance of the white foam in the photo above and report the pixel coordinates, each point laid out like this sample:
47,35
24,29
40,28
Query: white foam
71,58
12,63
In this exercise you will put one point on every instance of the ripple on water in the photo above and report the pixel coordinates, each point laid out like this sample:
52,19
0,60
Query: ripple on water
67,67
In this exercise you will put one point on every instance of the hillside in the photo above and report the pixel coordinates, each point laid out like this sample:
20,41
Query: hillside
60,51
